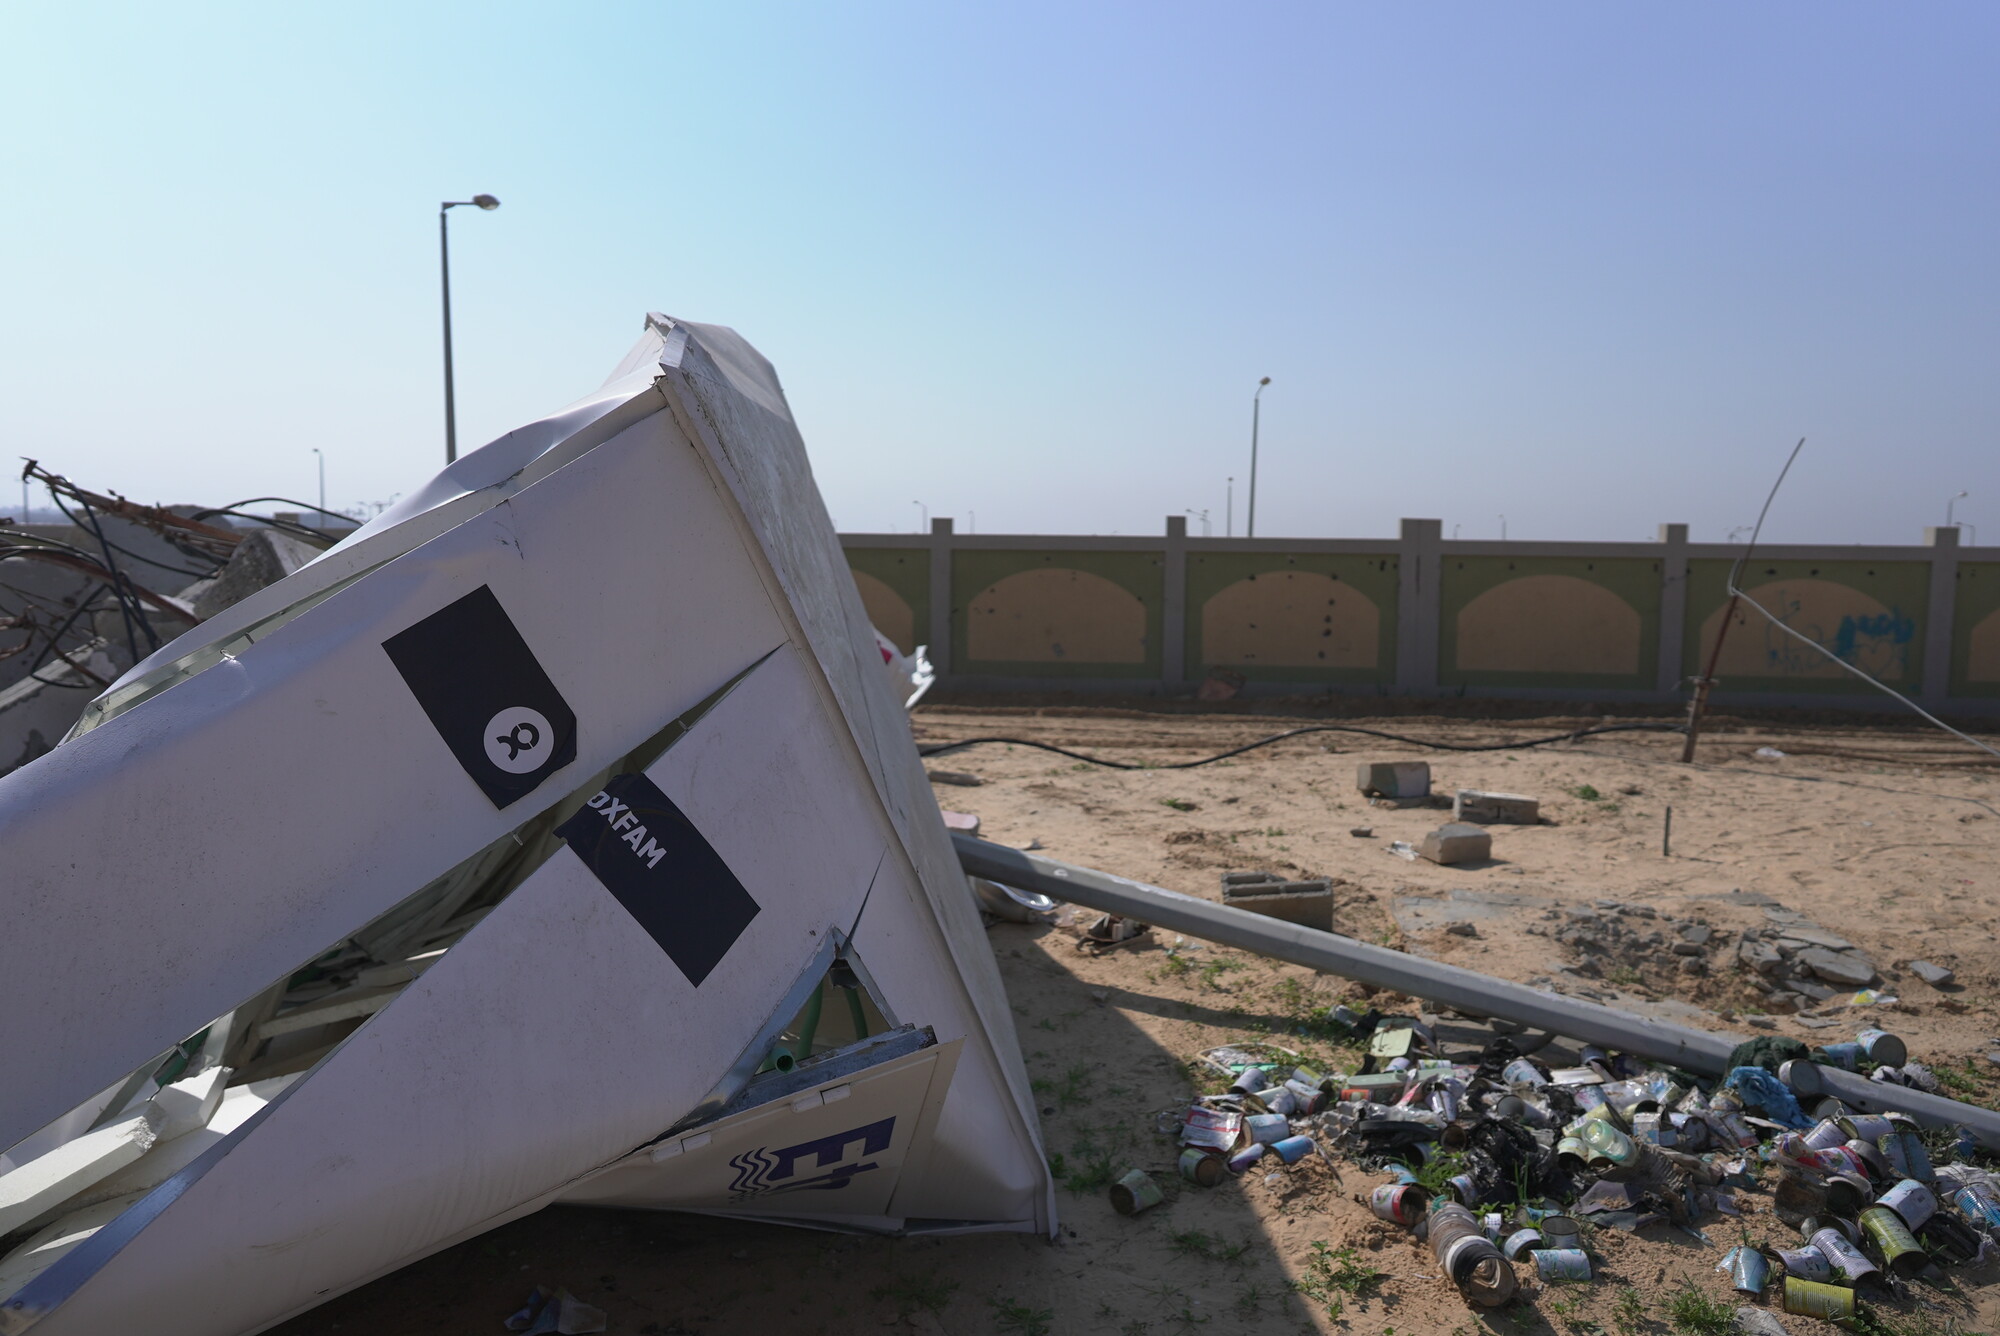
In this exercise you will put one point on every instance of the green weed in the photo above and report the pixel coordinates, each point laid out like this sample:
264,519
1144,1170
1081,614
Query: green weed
913,1293
1178,804
1335,1274
1695,1313
1012,1316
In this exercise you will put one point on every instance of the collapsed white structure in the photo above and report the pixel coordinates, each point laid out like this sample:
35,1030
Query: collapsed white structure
556,837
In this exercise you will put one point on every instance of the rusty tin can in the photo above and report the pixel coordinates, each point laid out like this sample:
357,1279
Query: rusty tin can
1135,1192
1912,1202
1202,1168
1397,1204
1844,1255
1562,1263
1811,1299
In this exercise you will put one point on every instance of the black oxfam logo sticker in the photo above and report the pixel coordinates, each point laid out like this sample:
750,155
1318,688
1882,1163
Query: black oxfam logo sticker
486,695
663,870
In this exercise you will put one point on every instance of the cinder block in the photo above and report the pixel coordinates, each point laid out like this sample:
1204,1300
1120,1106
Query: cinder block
1306,903
1394,779
1496,809
1456,843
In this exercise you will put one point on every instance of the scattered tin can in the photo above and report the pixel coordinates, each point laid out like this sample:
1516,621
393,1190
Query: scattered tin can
1847,1057
1491,1224
1846,1194
1806,1263
1978,1204
1653,1129
1809,1298
1844,1255
1562,1263
1572,1154
1135,1192
1462,1189
1560,1233
1306,1095
1279,1100
1292,1149
1267,1128
1829,1108
1202,1168
1868,1127
1912,1202
1690,1132
1216,1129
1904,1150
1840,1160
1882,1048
1521,1072
1240,1162
1249,1081
1398,1204
1749,1270
1576,1076
1824,1134
1520,1243
1801,1076
1901,1252
1869,1155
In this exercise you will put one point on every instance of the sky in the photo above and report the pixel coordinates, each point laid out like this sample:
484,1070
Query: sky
1590,268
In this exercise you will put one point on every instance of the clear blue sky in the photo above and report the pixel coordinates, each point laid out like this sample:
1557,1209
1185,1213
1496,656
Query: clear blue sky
1591,266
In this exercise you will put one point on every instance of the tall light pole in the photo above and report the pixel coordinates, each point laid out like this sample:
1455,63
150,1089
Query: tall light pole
1949,504
322,480
1503,528
1250,528
1229,510
488,203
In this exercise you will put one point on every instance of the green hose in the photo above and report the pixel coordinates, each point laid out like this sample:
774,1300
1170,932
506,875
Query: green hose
810,1026
854,1010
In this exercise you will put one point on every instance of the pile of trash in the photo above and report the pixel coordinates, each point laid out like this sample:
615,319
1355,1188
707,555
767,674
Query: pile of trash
1495,1158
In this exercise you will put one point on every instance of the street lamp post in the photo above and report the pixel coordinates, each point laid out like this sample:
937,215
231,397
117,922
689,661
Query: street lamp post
1951,503
488,203
322,480
925,512
1250,528
1229,510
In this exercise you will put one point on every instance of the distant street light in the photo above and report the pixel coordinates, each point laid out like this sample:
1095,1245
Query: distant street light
488,203
925,511
1201,515
1229,511
322,480
1503,528
1250,529
1949,504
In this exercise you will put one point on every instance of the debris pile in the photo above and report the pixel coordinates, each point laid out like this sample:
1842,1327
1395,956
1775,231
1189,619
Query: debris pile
1497,1160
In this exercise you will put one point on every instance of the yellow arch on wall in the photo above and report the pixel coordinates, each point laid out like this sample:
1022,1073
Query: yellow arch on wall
1056,615
888,610
1982,659
1549,624
1839,616
1290,619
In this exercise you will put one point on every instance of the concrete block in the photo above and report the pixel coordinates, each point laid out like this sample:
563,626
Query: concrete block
1394,779
188,1104
1937,976
1306,903
1842,967
1456,843
1496,809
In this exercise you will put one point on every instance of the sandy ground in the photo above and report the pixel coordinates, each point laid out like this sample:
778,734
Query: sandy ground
1881,835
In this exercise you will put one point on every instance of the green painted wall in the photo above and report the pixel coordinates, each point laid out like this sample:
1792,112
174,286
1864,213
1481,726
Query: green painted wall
905,570
1138,573
1375,576
1901,587
1634,580
1977,598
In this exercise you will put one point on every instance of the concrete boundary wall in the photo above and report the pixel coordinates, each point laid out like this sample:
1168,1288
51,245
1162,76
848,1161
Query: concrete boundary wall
1420,616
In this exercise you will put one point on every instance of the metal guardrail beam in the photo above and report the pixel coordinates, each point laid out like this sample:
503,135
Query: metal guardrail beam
1461,989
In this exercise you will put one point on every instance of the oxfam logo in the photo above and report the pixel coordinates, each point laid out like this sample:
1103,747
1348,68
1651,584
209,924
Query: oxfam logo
517,739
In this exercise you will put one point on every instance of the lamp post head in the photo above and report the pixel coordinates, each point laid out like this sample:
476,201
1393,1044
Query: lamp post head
486,202
1265,381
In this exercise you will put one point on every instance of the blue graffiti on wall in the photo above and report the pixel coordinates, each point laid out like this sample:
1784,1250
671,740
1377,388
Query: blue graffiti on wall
1876,643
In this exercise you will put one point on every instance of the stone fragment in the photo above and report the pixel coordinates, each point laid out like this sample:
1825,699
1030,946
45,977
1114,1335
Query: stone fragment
1759,957
1696,933
1489,809
1394,779
1456,843
1462,930
1693,965
1937,976
1818,992
1844,967
1362,832
1686,949
956,777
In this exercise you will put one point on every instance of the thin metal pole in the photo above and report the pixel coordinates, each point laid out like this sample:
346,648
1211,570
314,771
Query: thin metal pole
322,480
450,407
1667,835
1463,990
1229,511
1250,528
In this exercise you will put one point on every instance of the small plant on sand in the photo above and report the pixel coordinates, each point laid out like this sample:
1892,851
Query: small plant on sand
912,1294
1697,1314
1334,1275
1011,1316
1628,1315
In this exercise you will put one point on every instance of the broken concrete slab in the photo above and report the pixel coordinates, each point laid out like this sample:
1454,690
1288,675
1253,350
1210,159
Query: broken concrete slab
1495,809
1937,976
1805,934
1758,956
1456,843
1394,779
1843,967
263,558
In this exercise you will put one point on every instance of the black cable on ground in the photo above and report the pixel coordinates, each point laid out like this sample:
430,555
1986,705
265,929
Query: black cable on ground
942,748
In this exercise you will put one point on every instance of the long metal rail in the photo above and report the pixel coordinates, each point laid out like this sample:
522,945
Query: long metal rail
1461,989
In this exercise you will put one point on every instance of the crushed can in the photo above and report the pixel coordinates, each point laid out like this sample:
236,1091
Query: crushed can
1847,1193
1749,1270
1904,1150
1978,1204
1240,1162
1572,1153
1866,1152
1202,1168
1278,1099
1398,1204
1901,1252
1844,1256
1463,1189
1809,1298
1562,1264
1912,1202
1216,1129
1807,1263
1135,1192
